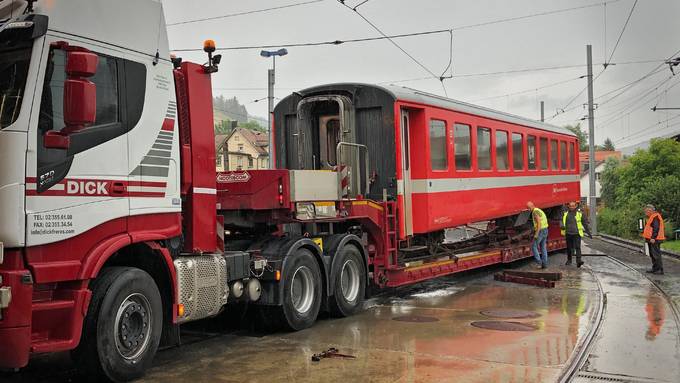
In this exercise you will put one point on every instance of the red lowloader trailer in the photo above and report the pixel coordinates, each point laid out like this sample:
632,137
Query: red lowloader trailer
117,229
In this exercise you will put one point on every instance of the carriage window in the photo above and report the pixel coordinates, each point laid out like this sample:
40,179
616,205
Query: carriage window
462,146
405,137
554,160
544,153
438,155
563,155
517,152
502,162
531,152
573,155
329,130
483,148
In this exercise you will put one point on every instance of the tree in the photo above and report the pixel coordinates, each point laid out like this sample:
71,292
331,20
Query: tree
223,126
609,180
580,134
608,145
252,125
231,107
651,176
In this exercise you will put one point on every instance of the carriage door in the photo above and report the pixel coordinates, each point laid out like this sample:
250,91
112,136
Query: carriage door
405,188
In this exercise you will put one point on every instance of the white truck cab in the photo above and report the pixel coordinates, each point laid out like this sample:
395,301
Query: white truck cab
61,178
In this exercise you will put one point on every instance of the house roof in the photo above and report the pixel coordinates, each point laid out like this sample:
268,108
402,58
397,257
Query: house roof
599,155
220,139
257,140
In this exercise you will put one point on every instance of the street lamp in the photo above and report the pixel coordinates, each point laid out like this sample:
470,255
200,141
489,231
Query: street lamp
270,97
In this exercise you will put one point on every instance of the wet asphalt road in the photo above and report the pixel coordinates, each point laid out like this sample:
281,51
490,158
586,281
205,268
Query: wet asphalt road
425,334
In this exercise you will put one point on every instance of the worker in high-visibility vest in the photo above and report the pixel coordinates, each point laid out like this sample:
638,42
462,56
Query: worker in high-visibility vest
654,235
539,245
573,226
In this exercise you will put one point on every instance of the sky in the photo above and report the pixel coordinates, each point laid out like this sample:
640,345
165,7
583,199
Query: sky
516,48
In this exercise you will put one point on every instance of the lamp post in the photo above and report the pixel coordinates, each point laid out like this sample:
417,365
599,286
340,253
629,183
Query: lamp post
270,97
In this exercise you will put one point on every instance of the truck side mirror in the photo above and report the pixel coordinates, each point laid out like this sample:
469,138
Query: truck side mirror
80,94
80,97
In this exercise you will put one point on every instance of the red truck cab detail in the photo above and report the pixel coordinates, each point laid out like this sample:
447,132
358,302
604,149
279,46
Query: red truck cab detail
254,189
196,129
15,321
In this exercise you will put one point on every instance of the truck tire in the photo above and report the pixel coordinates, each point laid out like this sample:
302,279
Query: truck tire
301,291
122,328
349,282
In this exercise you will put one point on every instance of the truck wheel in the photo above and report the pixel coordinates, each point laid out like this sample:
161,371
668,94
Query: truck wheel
301,291
123,325
349,282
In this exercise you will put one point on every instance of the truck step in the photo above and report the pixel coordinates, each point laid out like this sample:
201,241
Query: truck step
52,305
51,345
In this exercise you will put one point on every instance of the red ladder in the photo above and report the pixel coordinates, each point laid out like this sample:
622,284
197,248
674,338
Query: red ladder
390,234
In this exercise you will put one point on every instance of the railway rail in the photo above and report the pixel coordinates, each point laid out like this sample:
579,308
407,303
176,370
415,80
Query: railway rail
575,368
632,245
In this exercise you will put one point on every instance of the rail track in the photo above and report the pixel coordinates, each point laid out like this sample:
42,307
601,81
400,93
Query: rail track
574,368
632,245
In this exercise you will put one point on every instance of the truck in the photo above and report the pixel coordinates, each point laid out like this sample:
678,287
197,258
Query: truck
116,228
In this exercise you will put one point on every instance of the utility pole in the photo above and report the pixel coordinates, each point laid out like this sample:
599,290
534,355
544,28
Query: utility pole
270,97
270,110
592,201
542,111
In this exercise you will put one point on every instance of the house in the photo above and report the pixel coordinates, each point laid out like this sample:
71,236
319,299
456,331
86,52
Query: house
241,149
600,158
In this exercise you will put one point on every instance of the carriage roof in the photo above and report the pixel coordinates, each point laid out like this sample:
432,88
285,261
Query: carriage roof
402,93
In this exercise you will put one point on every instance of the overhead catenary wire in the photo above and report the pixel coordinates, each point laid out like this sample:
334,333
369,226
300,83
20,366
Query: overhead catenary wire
395,36
477,74
621,34
655,70
550,85
243,13
605,65
624,88
360,4
410,56
521,70
640,134
635,104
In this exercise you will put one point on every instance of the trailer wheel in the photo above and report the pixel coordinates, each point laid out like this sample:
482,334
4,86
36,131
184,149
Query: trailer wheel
349,282
122,329
301,291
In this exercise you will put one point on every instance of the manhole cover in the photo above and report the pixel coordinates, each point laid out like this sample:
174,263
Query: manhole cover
415,319
509,313
504,326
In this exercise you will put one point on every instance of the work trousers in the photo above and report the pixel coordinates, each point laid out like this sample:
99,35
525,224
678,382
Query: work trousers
655,254
573,247
539,248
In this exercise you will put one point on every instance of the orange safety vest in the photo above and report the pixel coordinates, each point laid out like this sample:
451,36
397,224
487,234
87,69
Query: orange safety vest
647,233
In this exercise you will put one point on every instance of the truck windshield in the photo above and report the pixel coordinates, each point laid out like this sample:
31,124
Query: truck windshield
14,64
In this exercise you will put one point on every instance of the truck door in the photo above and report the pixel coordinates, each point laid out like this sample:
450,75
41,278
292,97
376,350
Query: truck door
405,187
72,190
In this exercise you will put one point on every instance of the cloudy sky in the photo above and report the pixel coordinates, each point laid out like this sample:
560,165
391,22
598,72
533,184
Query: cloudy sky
518,48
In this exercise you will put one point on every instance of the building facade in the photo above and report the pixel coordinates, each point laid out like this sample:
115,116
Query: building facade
242,149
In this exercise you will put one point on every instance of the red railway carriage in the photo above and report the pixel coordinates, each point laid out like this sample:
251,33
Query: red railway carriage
445,162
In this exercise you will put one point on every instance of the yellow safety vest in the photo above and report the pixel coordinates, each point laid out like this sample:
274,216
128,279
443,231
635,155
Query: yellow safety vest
579,223
543,220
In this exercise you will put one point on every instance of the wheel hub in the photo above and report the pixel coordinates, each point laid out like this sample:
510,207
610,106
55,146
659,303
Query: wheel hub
302,289
132,326
349,280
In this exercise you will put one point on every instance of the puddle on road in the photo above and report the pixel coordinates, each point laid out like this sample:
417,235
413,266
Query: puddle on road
438,293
